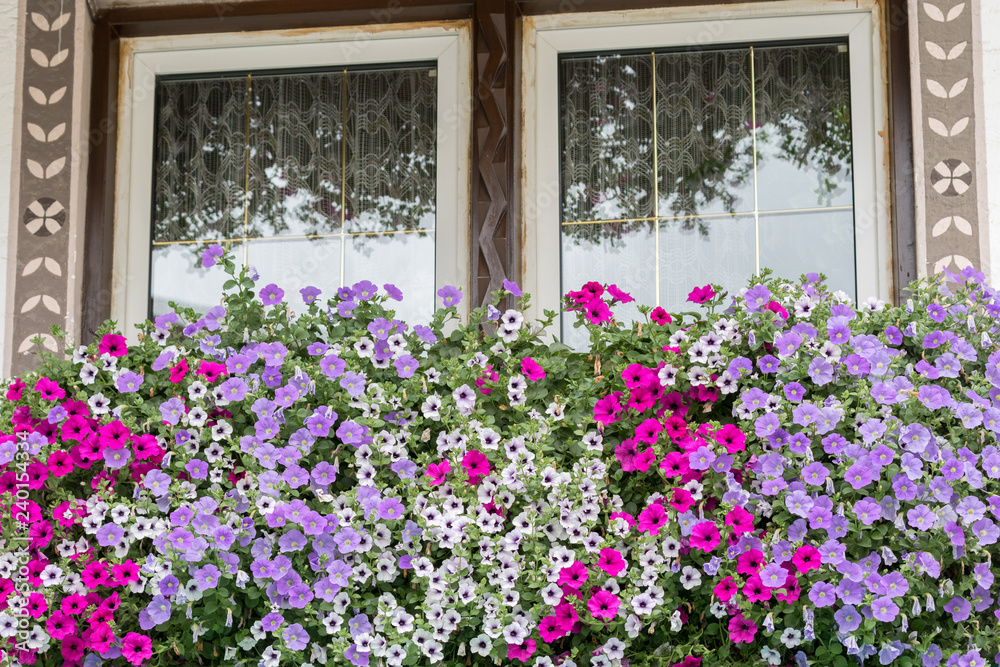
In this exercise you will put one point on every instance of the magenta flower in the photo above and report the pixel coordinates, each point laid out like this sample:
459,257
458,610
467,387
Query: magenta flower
611,561
705,536
532,370
603,604
476,464
437,472
701,294
741,629
652,519
573,575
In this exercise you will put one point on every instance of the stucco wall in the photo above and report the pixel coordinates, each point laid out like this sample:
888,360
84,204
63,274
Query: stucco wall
991,97
8,84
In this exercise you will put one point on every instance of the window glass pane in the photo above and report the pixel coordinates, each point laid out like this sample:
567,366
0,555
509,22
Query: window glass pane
296,263
607,138
704,105
391,150
262,161
695,252
400,259
200,158
751,168
819,241
613,252
296,154
175,276
804,127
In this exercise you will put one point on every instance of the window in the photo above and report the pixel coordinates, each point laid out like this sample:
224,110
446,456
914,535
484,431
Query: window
693,159
317,162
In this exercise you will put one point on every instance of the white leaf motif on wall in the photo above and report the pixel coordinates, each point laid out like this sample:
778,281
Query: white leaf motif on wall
938,52
938,90
61,21
46,300
43,23
943,263
53,169
961,224
935,12
940,128
39,134
43,60
41,98
47,340
50,264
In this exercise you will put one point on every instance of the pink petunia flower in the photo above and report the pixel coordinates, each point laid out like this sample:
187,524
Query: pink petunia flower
603,604
652,519
137,648
701,294
532,370
705,536
437,472
113,344
660,316
573,575
742,629
611,561
739,520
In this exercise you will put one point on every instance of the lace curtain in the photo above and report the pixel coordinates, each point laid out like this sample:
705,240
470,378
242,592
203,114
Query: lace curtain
314,178
684,167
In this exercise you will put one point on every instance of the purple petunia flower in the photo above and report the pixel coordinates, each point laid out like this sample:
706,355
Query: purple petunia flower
884,609
211,254
197,468
272,621
110,535
128,382
921,517
821,371
347,540
511,287
309,294
171,410
159,609
986,532
848,618
393,292
425,334
354,383
352,433
207,577
406,365
271,294
959,608
364,289
295,637
404,468
823,594
450,295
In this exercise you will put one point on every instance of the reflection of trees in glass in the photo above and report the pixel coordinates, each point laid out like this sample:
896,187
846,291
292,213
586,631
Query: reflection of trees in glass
322,147
704,131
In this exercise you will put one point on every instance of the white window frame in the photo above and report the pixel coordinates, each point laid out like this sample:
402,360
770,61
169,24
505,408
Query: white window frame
142,59
546,37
